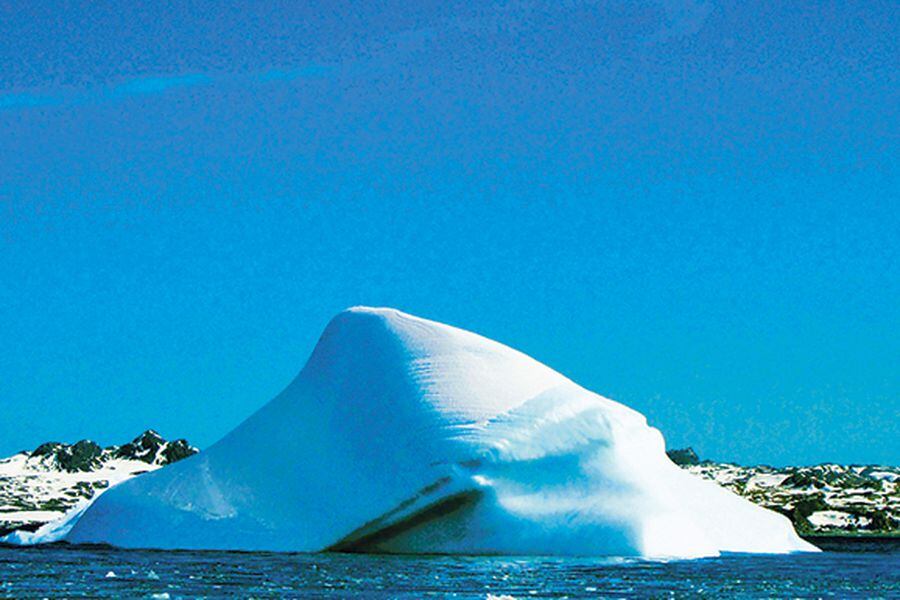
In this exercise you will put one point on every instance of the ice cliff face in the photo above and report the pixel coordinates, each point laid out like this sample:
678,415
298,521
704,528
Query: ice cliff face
406,435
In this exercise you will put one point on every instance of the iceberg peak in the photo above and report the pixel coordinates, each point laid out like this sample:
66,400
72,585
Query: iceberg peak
453,371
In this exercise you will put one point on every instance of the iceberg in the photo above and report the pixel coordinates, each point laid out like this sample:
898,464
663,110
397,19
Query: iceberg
406,435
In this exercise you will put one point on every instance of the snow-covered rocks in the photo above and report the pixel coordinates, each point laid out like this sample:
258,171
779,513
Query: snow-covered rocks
406,435
39,486
820,499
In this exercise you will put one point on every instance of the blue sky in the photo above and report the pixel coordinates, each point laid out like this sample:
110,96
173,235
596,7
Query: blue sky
690,207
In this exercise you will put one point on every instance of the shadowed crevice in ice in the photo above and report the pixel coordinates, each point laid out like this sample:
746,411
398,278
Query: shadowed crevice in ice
376,536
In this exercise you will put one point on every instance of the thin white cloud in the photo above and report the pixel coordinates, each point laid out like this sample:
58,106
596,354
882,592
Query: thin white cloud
145,86
28,99
149,86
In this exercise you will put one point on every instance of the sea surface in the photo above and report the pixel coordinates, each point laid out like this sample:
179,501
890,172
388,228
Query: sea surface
849,569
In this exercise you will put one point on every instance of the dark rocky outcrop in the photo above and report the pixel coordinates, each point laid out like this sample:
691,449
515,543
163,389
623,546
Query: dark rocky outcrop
683,456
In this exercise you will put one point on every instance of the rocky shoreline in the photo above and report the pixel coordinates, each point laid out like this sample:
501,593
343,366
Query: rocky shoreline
41,485
827,500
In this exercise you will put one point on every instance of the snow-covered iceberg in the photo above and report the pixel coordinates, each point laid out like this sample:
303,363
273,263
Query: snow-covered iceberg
405,435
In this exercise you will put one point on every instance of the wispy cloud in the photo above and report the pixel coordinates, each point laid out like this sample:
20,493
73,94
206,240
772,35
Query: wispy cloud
155,85
149,86
13,100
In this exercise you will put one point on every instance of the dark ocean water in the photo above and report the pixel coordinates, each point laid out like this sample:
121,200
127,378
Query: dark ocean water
849,570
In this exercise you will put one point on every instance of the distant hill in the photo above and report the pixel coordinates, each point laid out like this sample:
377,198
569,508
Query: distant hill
41,485
827,499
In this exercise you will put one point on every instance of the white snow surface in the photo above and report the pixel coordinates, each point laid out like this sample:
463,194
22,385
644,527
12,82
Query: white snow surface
406,435
835,518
